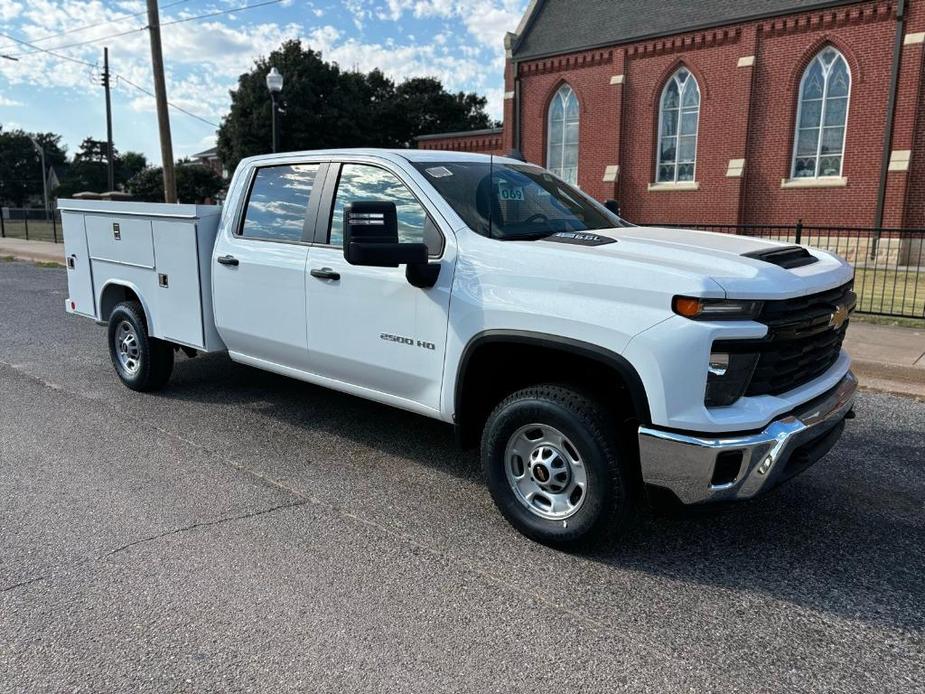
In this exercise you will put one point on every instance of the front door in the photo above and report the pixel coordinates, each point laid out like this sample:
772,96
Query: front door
368,326
258,272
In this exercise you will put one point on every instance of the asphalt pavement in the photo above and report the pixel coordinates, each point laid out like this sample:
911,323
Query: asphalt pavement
244,532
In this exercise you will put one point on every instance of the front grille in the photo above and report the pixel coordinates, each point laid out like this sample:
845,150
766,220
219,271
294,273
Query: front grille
801,343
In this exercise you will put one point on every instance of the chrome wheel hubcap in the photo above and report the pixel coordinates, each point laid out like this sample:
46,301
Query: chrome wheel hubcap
545,471
127,347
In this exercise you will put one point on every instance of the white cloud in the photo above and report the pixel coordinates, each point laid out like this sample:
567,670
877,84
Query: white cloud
4,101
9,9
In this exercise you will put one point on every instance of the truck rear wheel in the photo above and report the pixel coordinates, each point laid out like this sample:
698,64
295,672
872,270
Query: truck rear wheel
142,362
553,466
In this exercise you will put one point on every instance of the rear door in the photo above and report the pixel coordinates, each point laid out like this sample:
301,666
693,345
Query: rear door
367,326
258,273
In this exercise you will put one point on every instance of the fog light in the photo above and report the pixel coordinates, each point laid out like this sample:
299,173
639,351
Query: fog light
719,363
765,465
728,376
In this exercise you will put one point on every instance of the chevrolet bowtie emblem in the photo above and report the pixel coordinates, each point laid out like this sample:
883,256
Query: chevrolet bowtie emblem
838,317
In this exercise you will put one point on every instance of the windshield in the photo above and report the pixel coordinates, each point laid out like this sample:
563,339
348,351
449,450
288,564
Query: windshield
515,201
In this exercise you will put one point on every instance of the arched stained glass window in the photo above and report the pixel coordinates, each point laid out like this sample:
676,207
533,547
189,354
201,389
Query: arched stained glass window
562,150
819,145
679,117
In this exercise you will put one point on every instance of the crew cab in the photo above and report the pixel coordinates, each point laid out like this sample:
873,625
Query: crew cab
588,358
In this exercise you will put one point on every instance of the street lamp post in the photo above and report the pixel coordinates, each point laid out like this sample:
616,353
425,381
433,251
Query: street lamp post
41,151
275,86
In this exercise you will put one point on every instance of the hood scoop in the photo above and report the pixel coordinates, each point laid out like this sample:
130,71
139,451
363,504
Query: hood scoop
788,257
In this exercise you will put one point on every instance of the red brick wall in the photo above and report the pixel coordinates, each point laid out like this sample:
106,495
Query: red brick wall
486,144
864,35
747,112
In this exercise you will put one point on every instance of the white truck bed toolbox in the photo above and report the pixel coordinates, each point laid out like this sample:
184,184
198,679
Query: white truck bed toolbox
160,252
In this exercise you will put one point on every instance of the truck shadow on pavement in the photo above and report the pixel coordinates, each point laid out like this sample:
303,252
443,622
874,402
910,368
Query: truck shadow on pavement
846,538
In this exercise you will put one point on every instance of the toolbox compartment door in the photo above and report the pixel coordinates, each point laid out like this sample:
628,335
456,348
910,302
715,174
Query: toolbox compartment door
79,272
124,240
177,298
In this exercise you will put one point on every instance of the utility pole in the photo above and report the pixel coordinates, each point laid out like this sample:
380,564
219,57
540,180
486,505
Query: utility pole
160,97
110,170
41,151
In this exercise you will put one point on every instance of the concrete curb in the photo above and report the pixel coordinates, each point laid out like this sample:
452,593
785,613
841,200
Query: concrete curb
32,251
908,381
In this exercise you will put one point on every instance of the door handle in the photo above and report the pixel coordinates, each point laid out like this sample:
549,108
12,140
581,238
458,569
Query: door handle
227,260
325,273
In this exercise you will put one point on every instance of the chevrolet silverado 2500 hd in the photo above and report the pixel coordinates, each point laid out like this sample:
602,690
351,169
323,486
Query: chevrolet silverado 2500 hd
591,358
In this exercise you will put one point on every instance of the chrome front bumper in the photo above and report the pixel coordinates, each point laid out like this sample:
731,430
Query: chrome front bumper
687,464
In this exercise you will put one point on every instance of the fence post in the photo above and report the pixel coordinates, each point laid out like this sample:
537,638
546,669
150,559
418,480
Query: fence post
54,226
25,219
2,227
799,231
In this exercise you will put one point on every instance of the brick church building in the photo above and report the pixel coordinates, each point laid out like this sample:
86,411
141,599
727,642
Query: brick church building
722,111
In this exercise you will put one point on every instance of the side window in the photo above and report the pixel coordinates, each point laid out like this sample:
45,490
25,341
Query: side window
278,201
364,182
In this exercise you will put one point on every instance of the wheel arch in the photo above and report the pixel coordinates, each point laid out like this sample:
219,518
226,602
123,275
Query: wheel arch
115,292
541,344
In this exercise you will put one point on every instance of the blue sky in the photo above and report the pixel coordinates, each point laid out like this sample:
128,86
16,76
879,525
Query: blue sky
459,41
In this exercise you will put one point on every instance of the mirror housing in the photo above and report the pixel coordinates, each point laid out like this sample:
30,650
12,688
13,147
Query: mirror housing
371,240
613,206
369,225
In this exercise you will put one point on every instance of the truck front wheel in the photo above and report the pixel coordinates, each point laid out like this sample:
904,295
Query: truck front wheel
553,466
142,362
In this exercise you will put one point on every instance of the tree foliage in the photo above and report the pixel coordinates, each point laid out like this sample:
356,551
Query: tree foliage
21,167
89,170
195,183
325,106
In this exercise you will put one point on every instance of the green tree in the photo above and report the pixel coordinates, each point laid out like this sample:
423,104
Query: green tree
128,164
195,183
20,165
90,171
325,106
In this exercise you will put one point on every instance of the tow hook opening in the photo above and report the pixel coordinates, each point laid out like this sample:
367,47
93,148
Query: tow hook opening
726,469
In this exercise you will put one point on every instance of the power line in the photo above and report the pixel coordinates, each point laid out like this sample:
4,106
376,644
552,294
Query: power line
45,50
173,106
207,15
117,76
114,20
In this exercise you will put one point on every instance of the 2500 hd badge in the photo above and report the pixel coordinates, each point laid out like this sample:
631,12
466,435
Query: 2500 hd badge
411,342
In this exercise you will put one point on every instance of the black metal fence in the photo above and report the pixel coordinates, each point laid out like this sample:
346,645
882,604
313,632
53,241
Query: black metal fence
33,224
889,263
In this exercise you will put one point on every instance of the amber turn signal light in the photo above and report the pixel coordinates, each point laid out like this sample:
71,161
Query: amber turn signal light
687,306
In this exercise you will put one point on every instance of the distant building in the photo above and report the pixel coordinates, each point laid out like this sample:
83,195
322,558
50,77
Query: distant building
726,111
209,158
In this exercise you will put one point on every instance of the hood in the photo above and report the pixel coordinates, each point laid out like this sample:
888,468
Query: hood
727,259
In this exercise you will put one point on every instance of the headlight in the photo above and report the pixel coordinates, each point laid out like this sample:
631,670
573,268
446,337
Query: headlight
728,377
716,309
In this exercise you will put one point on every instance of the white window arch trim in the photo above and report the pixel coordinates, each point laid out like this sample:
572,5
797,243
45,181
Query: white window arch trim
678,114
559,148
837,179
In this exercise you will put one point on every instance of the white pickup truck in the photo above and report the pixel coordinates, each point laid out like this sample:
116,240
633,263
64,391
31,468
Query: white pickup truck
592,359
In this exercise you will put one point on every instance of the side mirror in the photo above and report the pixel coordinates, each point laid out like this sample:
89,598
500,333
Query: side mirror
371,236
613,206
371,239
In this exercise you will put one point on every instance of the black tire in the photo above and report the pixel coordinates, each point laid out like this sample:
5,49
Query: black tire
151,369
607,504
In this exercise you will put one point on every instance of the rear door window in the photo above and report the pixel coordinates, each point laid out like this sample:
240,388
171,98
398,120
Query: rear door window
278,202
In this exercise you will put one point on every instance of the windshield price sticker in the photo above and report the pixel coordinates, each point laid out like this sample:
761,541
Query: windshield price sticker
509,192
